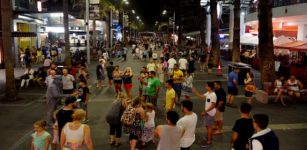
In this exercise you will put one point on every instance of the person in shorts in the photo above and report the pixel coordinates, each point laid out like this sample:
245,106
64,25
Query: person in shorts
220,107
209,111
232,85
110,68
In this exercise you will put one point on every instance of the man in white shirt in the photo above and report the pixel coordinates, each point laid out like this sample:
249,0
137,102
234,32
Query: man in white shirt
209,111
171,62
183,62
188,124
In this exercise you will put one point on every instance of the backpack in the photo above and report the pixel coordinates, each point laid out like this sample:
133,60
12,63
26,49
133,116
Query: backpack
128,116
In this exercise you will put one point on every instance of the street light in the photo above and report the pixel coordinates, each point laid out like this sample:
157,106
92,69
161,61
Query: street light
133,11
164,12
126,2
137,17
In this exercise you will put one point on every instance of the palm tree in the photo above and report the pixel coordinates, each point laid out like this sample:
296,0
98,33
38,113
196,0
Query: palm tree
7,13
236,32
67,59
106,9
202,16
266,51
215,42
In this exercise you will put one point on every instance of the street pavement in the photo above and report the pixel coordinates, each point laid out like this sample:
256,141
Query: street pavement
17,118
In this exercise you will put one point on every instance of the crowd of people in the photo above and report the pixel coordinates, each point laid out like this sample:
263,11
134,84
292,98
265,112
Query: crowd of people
135,114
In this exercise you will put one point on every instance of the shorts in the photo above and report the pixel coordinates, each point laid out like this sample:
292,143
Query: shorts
117,81
219,116
110,77
208,120
83,106
248,94
151,99
232,90
128,86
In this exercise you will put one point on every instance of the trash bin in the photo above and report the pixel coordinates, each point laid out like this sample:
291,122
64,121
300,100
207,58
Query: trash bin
244,68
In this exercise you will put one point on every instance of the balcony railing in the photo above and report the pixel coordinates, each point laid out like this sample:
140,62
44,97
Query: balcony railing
276,3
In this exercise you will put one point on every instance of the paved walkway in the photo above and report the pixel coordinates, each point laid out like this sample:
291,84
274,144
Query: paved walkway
290,123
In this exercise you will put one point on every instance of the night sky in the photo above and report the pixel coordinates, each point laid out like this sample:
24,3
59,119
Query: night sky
148,10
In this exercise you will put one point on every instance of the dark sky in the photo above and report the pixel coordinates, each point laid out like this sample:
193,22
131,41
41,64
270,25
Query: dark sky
148,10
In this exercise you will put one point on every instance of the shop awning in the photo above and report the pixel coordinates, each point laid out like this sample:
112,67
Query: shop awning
293,46
22,34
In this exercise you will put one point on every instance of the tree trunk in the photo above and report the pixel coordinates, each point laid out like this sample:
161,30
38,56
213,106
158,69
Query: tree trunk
215,40
236,32
108,29
266,51
67,60
7,13
202,16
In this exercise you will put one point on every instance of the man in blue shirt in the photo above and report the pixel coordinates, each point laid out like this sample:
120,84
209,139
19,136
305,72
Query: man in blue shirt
232,85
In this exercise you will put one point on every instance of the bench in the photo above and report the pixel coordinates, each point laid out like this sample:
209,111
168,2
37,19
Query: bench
268,91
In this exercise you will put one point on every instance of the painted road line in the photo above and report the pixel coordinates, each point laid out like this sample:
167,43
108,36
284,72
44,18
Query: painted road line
291,126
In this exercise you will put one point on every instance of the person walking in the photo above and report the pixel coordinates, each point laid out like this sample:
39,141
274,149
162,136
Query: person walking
188,123
76,135
170,133
243,128
264,138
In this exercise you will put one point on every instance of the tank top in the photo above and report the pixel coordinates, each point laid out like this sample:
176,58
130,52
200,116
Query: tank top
169,138
117,75
293,85
40,141
151,119
74,138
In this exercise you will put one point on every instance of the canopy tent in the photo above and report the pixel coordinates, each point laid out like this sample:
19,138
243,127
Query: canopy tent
250,41
245,37
282,40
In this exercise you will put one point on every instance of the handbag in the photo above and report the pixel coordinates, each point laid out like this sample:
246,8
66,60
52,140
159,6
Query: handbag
250,88
128,116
